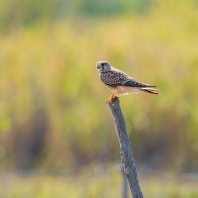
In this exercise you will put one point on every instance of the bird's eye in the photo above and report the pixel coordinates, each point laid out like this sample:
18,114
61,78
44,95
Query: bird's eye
102,64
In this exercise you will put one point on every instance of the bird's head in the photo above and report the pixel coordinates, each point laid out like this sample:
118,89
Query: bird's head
103,66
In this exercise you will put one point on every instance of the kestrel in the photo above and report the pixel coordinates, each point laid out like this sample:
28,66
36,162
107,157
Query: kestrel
120,83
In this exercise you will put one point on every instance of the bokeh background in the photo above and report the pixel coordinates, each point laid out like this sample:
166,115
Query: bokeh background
53,114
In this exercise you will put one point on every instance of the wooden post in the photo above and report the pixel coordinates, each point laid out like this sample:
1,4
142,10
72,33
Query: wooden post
124,189
125,149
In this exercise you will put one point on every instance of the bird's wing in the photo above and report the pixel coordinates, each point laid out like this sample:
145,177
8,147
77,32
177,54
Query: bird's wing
113,78
117,77
141,86
131,82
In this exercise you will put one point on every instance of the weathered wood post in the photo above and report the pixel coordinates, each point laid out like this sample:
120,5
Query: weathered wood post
124,188
125,149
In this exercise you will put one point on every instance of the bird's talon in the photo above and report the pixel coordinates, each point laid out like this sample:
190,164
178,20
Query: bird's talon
110,99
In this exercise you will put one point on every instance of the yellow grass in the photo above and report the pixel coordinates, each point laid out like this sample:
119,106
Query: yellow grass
50,68
94,183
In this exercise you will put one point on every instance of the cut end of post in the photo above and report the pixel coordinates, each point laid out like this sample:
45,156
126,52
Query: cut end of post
113,101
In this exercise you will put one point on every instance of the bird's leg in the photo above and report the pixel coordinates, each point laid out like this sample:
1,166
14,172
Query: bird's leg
111,97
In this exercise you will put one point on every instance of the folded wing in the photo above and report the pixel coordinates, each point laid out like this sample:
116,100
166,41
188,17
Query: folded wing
141,86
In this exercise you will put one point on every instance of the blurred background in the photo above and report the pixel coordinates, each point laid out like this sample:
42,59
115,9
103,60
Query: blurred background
55,127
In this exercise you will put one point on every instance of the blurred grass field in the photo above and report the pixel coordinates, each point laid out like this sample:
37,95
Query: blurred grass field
50,90
94,183
53,113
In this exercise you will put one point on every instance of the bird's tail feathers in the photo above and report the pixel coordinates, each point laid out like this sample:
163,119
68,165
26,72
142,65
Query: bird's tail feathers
150,90
150,86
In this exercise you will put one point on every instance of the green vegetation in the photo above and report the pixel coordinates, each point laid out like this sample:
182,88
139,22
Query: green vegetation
93,184
25,13
52,104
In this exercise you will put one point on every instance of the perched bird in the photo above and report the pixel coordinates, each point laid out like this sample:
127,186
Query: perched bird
120,83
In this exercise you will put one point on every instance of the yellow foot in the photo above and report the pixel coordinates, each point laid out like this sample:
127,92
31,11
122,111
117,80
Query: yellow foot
110,99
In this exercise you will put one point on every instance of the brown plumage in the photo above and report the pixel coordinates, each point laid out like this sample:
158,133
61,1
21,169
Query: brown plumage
120,83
